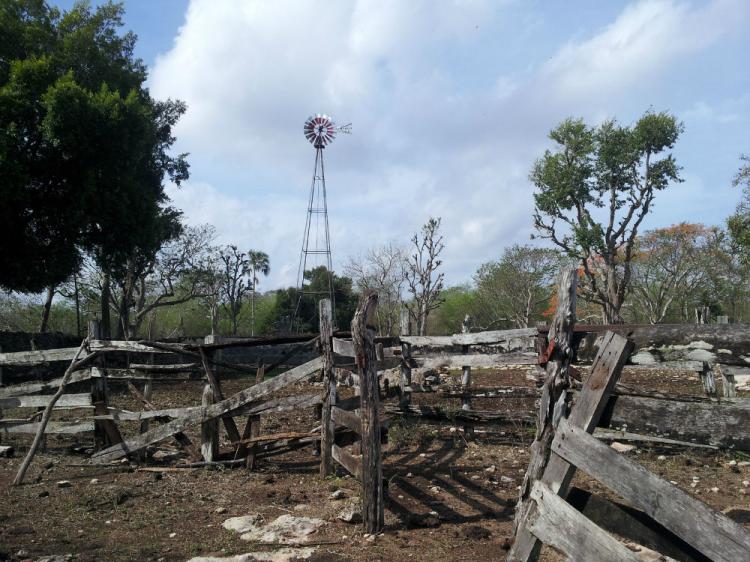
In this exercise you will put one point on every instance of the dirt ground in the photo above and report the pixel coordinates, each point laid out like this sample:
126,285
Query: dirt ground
449,498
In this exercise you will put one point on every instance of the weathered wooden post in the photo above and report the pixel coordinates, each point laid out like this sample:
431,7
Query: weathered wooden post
327,429
405,381
363,337
708,380
98,389
551,409
728,382
209,429
466,380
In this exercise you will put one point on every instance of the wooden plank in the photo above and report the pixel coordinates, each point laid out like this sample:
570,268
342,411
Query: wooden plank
17,426
438,361
348,419
226,406
458,415
633,525
24,358
607,435
722,424
130,346
39,401
151,368
351,463
285,404
558,524
483,338
343,347
709,531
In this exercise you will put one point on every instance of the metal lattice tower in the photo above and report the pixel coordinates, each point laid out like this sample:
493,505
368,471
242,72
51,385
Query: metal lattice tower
316,239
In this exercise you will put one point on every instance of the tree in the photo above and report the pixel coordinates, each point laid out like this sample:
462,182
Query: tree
612,172
234,282
84,148
306,319
458,302
516,289
423,281
382,270
258,264
739,223
669,264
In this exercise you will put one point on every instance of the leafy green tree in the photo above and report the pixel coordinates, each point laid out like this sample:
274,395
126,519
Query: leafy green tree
259,263
306,319
84,148
595,189
457,302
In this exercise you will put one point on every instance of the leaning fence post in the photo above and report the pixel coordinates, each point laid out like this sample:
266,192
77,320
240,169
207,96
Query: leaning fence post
551,408
209,429
405,381
327,430
363,337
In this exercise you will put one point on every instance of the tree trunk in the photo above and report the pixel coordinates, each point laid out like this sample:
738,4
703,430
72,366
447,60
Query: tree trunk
252,311
46,309
106,327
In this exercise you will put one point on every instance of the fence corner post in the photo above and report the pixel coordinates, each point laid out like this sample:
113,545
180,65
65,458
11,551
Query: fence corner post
327,430
363,337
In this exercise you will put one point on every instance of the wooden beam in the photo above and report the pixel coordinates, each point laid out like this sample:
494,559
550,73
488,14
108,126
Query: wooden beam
348,419
231,427
477,338
351,463
633,525
36,387
27,358
343,347
452,414
15,426
722,424
39,401
449,361
226,406
558,524
709,531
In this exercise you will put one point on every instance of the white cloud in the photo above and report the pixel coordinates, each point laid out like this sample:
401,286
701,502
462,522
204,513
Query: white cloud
430,137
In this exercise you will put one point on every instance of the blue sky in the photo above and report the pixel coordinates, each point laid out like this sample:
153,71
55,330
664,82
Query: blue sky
450,104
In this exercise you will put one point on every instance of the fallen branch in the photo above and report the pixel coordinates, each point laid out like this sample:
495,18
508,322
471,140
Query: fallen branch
75,364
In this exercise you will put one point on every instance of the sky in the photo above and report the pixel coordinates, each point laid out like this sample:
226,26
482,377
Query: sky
450,104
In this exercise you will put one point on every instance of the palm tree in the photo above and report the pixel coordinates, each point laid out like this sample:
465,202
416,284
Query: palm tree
258,264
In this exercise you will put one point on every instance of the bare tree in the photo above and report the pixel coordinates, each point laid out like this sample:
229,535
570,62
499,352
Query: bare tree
423,281
235,283
668,265
173,277
516,289
381,269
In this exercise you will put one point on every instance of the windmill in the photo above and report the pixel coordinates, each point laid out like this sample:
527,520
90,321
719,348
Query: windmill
316,239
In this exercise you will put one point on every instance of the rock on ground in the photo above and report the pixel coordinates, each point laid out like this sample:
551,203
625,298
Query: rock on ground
286,529
281,555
